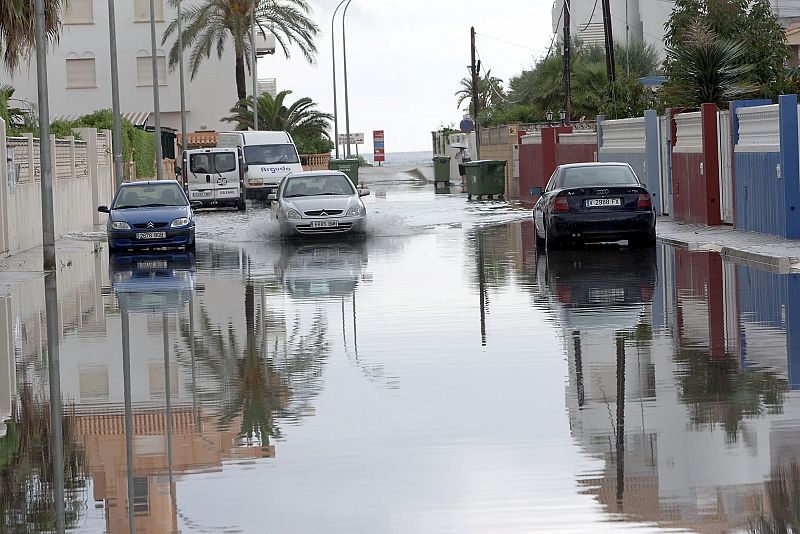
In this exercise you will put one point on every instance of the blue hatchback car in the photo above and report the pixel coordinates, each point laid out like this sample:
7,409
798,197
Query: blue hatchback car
151,214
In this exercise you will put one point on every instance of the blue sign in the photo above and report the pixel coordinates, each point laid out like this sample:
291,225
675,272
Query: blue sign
467,125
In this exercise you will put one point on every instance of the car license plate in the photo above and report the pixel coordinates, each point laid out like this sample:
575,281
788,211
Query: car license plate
201,194
227,192
155,264
151,235
605,296
600,202
324,224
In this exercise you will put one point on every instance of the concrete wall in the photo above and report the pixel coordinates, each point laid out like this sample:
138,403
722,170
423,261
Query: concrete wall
80,184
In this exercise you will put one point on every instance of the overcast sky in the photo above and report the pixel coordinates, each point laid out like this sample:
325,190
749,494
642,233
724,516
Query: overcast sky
406,57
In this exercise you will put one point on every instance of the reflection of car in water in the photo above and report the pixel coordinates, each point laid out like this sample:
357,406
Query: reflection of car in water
598,287
325,269
153,282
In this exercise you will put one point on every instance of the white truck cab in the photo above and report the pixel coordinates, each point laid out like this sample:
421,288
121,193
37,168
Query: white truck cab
214,176
268,156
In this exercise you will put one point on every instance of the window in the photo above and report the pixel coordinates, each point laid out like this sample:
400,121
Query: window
79,12
81,73
592,175
204,164
93,383
141,10
144,70
141,495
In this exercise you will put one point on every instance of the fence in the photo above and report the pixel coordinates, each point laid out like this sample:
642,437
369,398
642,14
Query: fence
82,179
315,162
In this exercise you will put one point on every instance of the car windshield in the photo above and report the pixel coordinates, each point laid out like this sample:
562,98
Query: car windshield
212,163
307,186
270,154
149,195
597,175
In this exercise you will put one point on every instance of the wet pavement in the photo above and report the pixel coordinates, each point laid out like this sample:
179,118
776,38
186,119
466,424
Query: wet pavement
440,375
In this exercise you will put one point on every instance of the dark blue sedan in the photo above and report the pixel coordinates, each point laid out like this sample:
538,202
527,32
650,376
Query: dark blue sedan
153,214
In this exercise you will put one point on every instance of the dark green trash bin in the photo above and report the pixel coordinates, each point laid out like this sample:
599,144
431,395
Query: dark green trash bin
485,177
441,169
347,166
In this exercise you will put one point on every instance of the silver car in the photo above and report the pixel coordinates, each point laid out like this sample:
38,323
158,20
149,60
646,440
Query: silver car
319,203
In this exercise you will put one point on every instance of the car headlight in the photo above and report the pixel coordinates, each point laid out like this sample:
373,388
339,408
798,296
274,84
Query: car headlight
180,222
355,211
292,213
120,225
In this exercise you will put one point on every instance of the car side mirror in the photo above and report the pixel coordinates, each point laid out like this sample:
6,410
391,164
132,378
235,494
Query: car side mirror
644,185
177,171
536,191
195,204
103,209
272,196
246,167
363,192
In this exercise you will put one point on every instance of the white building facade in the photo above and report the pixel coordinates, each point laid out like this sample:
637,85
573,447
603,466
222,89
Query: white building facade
79,69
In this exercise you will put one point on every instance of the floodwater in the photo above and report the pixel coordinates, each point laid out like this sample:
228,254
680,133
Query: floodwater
440,375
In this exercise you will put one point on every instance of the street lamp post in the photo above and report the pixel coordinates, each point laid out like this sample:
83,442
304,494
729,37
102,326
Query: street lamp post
562,114
180,74
116,127
549,116
254,59
156,105
333,62
344,61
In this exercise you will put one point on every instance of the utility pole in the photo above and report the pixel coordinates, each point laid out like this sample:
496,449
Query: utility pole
45,156
611,69
116,127
476,105
156,104
567,45
254,59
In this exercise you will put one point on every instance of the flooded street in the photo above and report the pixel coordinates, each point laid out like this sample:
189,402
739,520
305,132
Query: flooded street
440,375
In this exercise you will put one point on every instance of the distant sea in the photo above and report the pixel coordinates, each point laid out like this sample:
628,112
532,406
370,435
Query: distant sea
424,158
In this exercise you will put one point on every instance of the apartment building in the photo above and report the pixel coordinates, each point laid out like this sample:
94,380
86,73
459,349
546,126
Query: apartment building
79,69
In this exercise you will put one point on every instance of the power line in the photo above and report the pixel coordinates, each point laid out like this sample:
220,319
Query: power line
506,42
494,89
590,16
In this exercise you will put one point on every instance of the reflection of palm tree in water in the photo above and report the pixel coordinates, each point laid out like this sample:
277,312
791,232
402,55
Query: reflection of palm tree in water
26,469
259,383
783,495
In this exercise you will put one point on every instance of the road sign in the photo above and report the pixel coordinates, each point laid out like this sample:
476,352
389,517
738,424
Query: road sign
355,139
467,125
378,148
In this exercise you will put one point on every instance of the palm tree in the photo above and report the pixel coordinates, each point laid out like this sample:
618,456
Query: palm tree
300,118
490,91
209,25
707,69
17,29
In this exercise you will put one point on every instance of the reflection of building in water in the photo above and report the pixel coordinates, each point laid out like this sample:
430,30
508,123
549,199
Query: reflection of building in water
704,422
197,445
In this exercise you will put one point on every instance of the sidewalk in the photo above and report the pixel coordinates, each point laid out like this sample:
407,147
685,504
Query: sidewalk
766,251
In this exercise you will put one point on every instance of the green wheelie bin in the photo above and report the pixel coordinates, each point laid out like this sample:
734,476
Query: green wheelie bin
347,166
441,170
485,177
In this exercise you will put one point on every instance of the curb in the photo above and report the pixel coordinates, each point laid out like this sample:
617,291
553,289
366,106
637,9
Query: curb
779,264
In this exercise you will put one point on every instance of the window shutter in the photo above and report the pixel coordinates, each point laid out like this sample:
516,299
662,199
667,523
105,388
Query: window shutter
144,70
81,73
79,12
141,10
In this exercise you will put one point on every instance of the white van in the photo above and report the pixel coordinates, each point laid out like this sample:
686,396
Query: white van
268,158
214,176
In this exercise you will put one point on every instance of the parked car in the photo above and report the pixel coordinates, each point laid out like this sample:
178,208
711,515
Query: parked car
319,203
151,214
594,202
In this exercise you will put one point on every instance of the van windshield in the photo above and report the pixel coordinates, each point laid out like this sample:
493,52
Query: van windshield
270,154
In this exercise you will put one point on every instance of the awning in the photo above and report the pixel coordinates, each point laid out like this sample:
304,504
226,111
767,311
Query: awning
137,118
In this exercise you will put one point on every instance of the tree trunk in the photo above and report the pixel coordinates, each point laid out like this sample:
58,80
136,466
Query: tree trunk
241,80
